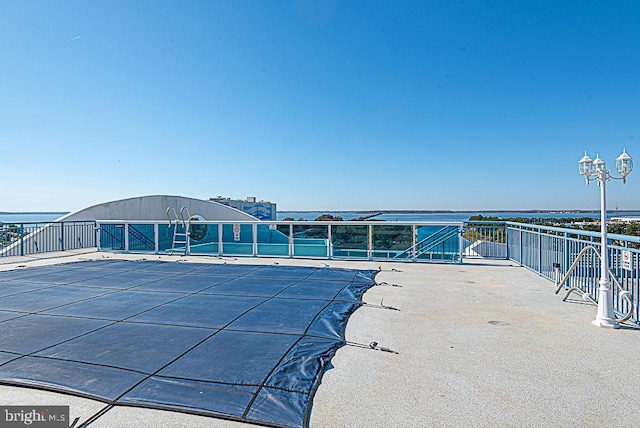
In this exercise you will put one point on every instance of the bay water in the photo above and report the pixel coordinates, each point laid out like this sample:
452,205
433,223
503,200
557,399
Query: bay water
405,216
453,216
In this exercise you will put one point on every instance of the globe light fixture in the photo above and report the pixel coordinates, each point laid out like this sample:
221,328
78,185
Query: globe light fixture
596,170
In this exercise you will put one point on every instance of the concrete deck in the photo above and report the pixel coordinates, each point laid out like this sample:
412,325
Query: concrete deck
483,344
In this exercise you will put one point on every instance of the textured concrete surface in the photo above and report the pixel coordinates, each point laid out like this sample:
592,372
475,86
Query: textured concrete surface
483,344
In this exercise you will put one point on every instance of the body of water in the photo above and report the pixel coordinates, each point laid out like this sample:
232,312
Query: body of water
29,217
347,215
450,216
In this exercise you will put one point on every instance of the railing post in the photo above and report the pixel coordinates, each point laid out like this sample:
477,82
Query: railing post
413,242
254,233
539,251
567,258
506,240
156,237
96,232
22,239
220,244
460,232
291,248
370,243
330,242
126,236
521,244
62,236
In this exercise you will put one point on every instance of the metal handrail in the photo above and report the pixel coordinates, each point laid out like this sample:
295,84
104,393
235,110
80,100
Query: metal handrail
574,265
443,238
140,236
587,296
186,223
175,215
114,237
187,228
429,242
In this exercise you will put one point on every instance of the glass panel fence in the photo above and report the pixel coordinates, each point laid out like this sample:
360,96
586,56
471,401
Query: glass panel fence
237,239
273,240
350,241
112,237
165,236
437,243
141,237
392,242
204,238
310,240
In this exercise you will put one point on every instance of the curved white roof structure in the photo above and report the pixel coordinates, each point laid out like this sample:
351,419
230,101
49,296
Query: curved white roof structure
155,207
142,208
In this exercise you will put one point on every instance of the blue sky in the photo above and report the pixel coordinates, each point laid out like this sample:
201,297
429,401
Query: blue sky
318,105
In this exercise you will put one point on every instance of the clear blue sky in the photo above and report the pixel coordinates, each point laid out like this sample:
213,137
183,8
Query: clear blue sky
318,105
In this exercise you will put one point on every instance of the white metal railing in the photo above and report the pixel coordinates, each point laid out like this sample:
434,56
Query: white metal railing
546,249
21,239
624,294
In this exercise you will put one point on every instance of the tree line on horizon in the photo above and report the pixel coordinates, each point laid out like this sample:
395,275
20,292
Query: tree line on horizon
581,223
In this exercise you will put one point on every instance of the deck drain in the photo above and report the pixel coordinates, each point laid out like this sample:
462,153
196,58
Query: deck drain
500,323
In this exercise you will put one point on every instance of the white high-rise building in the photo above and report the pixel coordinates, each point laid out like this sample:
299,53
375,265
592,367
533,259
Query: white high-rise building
263,210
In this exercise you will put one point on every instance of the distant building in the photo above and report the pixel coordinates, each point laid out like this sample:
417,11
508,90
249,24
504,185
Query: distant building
263,210
626,219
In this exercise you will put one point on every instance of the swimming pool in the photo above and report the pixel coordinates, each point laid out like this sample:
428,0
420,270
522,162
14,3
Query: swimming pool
240,342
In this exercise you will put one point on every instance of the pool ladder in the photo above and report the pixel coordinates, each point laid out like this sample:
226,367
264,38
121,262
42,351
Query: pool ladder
181,229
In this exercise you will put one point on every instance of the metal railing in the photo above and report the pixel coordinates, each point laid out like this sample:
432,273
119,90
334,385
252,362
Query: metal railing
586,295
443,237
485,240
548,251
21,239
113,237
551,251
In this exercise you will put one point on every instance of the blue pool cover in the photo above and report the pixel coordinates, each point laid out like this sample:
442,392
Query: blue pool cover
240,342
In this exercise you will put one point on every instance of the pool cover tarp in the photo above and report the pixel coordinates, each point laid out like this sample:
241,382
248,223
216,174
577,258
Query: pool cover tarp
240,342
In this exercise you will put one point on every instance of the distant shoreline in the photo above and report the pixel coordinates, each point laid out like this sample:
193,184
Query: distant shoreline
32,212
383,211
456,211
